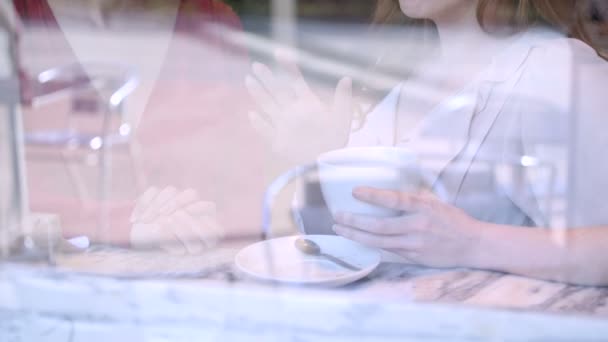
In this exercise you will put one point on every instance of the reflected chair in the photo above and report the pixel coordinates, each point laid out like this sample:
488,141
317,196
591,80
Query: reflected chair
273,190
96,93
96,123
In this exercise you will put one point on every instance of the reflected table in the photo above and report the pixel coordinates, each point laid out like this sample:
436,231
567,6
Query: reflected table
108,293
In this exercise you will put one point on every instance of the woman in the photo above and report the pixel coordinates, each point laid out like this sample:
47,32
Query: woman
508,82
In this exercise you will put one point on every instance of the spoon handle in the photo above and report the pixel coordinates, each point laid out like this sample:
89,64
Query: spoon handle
340,262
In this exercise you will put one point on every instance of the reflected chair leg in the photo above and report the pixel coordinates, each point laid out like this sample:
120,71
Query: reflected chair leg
134,152
73,175
104,176
103,189
550,192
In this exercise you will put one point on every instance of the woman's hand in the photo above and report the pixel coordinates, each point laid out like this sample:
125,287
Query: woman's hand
292,118
178,222
431,233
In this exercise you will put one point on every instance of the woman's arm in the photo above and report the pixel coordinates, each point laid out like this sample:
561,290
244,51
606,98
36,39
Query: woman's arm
436,234
578,256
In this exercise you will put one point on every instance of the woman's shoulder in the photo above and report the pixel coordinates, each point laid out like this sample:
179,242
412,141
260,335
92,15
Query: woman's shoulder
557,68
563,78
552,53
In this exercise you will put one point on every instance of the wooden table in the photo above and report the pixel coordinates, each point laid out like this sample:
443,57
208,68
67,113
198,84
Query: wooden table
202,298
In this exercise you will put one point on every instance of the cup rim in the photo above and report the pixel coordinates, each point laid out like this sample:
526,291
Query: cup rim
325,158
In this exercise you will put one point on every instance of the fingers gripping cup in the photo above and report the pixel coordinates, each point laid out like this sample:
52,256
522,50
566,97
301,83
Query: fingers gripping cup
390,168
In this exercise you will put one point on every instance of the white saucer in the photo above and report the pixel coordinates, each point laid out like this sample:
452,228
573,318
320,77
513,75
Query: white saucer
278,260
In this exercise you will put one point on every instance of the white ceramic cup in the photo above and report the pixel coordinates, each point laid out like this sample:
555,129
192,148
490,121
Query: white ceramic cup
391,168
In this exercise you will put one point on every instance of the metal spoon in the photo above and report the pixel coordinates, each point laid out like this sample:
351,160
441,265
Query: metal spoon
311,248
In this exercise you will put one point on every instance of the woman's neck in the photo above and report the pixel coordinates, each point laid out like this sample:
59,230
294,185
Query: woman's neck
463,40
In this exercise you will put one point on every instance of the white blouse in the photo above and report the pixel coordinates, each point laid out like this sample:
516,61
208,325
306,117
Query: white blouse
524,144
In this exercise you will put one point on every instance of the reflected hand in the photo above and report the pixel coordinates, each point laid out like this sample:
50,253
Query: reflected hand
432,233
292,118
178,222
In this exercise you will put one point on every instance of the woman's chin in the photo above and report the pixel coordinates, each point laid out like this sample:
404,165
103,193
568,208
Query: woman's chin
430,9
413,8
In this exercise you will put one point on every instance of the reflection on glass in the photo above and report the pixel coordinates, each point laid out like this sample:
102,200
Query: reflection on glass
460,142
